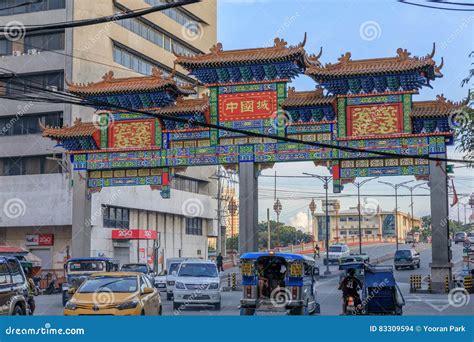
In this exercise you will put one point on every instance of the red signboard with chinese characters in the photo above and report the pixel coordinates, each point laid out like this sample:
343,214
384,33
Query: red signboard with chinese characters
39,240
134,234
377,119
247,106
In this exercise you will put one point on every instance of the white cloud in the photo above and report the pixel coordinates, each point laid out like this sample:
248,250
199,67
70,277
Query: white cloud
299,221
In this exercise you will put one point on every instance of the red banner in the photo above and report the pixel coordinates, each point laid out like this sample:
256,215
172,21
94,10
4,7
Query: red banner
247,106
39,240
133,234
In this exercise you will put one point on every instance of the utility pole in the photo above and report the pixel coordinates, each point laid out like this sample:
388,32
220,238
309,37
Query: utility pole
359,185
411,188
312,208
326,180
395,187
269,244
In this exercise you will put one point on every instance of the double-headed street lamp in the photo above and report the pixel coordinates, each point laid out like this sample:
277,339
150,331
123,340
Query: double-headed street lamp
395,187
411,188
326,180
358,185
312,208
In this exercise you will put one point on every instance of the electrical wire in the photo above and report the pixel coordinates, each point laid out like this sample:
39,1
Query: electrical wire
83,101
440,8
100,20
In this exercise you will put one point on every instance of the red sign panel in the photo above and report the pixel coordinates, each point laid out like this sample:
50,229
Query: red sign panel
39,240
377,119
133,234
247,106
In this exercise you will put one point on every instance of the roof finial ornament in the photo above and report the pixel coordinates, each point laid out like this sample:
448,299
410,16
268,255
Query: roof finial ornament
319,91
279,43
77,122
303,43
216,48
345,58
291,90
157,72
403,54
431,55
109,76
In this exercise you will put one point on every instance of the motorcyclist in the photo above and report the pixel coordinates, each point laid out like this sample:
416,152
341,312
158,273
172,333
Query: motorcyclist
350,286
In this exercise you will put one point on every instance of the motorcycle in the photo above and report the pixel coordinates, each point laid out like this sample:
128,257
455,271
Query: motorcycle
52,287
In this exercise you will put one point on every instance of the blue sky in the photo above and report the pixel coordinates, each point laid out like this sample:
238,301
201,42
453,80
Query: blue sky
368,29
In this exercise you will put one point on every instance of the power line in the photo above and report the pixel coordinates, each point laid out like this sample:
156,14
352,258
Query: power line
22,29
82,101
441,8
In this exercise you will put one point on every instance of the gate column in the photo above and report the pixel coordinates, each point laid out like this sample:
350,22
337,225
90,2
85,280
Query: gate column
441,266
81,216
248,207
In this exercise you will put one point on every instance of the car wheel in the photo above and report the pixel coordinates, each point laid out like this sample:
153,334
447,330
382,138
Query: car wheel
299,311
65,298
396,267
177,306
217,306
418,265
169,296
18,311
412,266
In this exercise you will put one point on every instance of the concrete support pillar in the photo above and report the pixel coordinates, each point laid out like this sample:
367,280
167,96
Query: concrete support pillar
441,266
248,207
81,216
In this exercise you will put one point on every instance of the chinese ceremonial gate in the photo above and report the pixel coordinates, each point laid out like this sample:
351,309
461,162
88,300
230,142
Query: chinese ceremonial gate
361,104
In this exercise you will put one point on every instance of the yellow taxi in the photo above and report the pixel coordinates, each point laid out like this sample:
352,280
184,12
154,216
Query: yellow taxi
114,293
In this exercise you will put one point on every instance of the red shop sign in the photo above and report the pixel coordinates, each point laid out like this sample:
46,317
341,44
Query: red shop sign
133,234
40,240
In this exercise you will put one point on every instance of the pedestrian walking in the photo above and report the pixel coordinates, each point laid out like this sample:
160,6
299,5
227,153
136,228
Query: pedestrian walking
316,251
220,263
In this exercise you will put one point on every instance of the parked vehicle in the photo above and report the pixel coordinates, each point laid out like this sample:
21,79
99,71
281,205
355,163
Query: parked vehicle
139,267
79,269
114,293
14,288
197,282
364,258
336,252
412,238
172,265
470,237
278,282
460,237
380,294
407,258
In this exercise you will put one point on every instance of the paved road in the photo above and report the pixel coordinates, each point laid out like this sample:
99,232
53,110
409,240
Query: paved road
328,295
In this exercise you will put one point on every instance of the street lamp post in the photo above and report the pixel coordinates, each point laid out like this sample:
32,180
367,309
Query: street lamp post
359,185
277,207
232,207
337,206
411,188
395,187
312,208
326,180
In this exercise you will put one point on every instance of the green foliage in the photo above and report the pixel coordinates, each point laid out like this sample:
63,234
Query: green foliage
288,236
454,226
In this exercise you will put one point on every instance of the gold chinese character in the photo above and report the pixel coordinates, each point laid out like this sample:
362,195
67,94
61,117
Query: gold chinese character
263,104
247,106
232,106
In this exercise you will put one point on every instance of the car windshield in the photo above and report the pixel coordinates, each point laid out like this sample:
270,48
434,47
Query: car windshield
198,270
87,266
174,267
335,249
470,234
109,284
134,268
402,254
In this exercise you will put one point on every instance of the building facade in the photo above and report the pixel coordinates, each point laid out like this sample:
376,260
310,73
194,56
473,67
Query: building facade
40,195
375,222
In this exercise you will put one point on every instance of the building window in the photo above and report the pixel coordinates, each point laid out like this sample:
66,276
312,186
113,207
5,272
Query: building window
155,36
11,7
40,42
19,166
139,64
5,47
185,184
115,217
51,80
29,124
176,14
193,226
